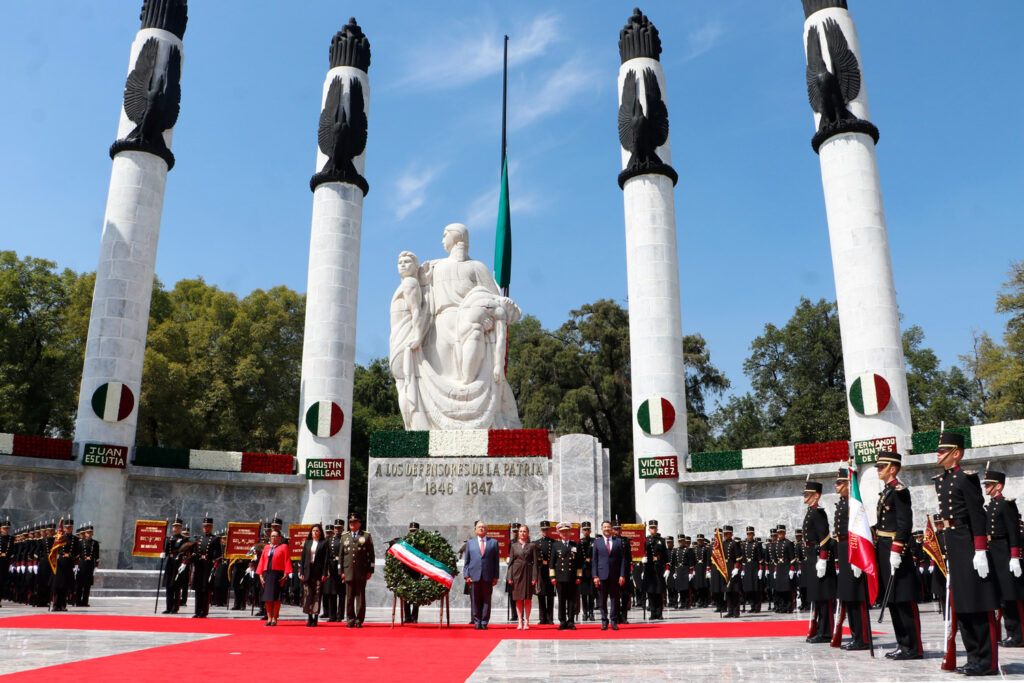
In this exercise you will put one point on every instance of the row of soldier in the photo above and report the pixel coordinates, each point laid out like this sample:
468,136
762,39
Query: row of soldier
48,564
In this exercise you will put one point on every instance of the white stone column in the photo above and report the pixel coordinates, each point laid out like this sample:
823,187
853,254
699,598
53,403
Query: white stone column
655,319
116,343
332,292
865,289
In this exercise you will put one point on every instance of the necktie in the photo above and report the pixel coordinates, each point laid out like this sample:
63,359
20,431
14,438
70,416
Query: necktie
481,547
609,541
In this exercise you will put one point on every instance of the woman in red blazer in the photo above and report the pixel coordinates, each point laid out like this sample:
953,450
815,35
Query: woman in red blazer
275,564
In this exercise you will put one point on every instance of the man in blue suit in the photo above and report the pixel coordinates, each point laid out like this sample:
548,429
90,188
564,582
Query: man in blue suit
610,567
481,570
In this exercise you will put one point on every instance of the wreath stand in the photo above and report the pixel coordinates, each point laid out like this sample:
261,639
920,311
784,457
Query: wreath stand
445,610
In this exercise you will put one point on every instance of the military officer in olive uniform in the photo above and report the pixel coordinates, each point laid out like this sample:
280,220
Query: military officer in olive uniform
975,590
820,571
545,591
654,564
207,553
586,588
1004,544
850,581
88,561
895,561
751,559
357,564
565,572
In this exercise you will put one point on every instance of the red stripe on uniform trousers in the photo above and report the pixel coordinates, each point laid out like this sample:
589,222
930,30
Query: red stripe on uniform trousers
917,625
992,632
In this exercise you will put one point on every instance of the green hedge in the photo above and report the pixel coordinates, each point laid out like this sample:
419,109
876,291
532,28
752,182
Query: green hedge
154,456
400,444
716,460
928,442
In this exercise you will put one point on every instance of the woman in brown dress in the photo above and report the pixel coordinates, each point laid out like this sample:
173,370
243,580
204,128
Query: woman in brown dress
522,574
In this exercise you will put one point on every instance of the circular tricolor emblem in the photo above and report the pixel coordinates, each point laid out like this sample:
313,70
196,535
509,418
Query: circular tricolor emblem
113,402
869,394
324,418
656,416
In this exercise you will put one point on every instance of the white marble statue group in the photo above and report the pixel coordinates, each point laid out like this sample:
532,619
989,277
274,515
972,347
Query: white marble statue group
449,326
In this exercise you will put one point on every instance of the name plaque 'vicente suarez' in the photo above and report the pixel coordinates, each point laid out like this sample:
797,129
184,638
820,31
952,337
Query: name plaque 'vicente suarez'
866,452
325,469
102,455
659,468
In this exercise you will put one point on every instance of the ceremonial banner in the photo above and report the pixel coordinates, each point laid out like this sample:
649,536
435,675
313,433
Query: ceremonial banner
149,537
242,536
428,566
58,542
931,546
862,549
574,532
297,535
634,533
502,534
718,555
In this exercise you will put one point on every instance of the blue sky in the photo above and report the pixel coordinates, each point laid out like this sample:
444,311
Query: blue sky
942,80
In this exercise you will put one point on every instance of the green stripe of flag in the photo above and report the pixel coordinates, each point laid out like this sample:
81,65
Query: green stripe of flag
857,396
503,234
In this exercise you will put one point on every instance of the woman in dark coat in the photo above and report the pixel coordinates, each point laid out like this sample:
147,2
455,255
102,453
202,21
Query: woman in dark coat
522,574
313,573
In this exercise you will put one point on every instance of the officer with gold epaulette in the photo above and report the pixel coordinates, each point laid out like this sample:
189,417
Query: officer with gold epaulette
820,567
895,562
565,572
357,565
67,558
752,558
586,588
88,561
206,554
545,591
1004,546
654,562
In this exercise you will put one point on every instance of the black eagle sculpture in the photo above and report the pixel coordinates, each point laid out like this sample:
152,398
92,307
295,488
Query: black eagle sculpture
152,101
643,127
830,91
342,135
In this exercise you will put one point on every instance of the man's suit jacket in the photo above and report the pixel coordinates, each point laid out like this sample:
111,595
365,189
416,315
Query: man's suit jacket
609,566
481,567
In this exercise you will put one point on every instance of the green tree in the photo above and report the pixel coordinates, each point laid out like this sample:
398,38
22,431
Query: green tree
998,369
39,350
374,408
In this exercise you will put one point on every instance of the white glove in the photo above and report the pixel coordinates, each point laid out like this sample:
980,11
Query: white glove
920,569
735,572
931,569
644,560
980,563
691,575
1015,566
743,574
707,574
290,575
791,573
895,560
857,571
819,568
760,573
163,556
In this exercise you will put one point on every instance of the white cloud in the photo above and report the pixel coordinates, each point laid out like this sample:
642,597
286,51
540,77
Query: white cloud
557,92
704,39
479,54
411,188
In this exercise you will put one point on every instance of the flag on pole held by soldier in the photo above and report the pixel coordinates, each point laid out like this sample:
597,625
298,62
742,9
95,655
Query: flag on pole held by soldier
931,546
862,549
718,555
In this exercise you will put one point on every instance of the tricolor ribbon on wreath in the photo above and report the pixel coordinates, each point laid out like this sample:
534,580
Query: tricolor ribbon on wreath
429,567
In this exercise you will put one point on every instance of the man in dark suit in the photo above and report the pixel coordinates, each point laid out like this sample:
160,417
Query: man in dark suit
481,570
610,566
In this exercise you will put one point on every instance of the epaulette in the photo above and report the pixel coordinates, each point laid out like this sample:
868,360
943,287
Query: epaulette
939,475
971,473
900,487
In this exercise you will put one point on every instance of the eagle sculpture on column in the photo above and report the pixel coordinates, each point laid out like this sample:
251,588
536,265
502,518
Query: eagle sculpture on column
152,101
341,135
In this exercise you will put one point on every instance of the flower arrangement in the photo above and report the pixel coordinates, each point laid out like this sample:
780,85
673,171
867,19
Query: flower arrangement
268,463
817,453
222,461
40,447
413,587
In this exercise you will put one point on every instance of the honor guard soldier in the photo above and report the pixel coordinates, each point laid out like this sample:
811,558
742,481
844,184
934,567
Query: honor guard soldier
752,558
734,566
850,581
67,558
820,568
769,567
334,586
44,572
1004,543
701,563
206,554
587,591
895,561
565,571
626,592
975,591
670,568
357,565
545,591
88,561
784,571
938,576
184,578
802,572
411,612
6,558
920,564
654,564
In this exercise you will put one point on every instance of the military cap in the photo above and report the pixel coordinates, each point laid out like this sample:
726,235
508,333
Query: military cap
757,539
414,526
352,517
564,525
950,440
843,474
277,522
544,524
937,517
339,522
727,529
918,533
5,524
812,487
781,527
652,522
993,477
585,525
266,524
87,527
515,525
207,520
178,521
615,525
750,529
888,458
680,538
329,527
69,522
773,530
799,533
700,537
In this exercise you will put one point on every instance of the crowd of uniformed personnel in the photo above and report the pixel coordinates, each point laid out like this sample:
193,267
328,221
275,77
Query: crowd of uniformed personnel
48,564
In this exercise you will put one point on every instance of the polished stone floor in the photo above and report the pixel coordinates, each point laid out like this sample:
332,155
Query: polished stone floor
726,659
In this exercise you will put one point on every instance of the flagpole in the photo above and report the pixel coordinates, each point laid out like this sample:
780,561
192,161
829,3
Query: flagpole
504,137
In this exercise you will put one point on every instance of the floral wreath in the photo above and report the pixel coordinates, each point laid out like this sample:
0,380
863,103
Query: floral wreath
408,584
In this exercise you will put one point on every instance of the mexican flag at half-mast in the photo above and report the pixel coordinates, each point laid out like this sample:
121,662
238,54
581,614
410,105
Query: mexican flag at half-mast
862,549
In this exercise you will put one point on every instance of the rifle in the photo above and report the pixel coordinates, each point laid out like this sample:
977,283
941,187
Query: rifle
949,626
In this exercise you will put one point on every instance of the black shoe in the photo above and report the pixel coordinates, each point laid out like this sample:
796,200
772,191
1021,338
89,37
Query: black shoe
350,624
895,652
604,626
1010,642
615,627
855,646
902,654
359,624
979,670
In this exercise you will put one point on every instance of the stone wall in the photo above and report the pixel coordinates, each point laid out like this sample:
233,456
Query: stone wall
33,490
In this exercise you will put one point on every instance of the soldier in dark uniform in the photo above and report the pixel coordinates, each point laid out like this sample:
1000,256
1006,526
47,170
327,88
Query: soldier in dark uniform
565,571
850,581
545,591
752,558
6,557
733,553
975,590
334,586
1004,543
654,564
768,564
221,581
67,557
411,612
587,591
357,565
207,554
802,571
784,571
670,585
626,592
716,582
680,572
820,567
920,565
44,572
88,561
938,575
701,564
184,578
895,561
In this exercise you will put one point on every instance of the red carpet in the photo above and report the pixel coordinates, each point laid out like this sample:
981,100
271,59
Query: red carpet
404,653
